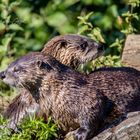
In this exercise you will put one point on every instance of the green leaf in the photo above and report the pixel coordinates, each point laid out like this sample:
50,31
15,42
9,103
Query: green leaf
83,29
15,26
13,5
7,20
113,11
2,26
6,41
57,19
4,13
5,2
2,7
88,15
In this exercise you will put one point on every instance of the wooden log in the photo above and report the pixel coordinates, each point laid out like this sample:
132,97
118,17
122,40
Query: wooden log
131,52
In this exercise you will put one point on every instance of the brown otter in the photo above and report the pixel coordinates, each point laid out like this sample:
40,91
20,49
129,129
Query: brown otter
74,100
72,50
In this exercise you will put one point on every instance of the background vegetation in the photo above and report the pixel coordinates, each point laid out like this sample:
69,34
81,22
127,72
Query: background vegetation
27,25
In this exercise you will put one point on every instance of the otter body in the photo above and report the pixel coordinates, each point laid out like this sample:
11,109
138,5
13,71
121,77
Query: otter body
74,100
71,50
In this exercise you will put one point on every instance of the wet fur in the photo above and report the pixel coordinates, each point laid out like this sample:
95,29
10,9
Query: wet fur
79,101
68,49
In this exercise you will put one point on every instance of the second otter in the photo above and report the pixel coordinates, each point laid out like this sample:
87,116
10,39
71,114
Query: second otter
74,100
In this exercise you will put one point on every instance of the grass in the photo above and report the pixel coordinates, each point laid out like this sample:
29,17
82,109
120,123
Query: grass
30,128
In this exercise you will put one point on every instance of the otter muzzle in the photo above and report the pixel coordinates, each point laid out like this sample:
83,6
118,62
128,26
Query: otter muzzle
2,75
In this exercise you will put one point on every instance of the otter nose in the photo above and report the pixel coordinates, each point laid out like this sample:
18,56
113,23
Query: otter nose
2,75
102,47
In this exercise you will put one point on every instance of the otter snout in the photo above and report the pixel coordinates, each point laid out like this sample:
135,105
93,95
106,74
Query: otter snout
2,75
8,78
102,47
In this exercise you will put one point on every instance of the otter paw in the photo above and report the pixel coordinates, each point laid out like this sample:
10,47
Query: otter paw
82,134
70,135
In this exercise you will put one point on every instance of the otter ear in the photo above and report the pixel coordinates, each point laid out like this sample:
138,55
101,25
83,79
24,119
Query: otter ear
84,45
61,44
39,63
44,65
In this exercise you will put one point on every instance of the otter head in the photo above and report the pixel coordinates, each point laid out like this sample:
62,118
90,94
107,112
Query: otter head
73,50
27,71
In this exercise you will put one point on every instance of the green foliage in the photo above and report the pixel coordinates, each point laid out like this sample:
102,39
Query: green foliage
4,131
26,25
31,128
124,24
86,27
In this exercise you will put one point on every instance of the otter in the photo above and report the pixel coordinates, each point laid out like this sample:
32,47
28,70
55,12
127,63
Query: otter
71,50
75,101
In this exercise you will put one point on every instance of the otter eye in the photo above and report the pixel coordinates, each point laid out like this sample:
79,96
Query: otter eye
84,45
16,69
46,66
64,43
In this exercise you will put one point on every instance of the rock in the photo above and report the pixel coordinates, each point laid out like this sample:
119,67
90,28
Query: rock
70,136
131,53
129,129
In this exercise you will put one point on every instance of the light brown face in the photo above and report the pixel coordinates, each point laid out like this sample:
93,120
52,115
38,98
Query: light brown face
25,71
73,50
74,54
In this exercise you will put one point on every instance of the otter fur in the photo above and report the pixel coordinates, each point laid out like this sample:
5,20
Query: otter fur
71,50
74,100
